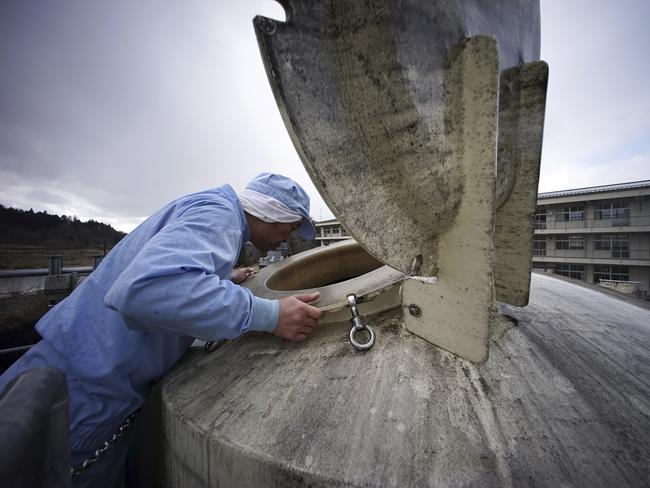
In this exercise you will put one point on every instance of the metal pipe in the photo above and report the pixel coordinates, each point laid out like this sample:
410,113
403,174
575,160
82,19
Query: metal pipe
24,273
12,350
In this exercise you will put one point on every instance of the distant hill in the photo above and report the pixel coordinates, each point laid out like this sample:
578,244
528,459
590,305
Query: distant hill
26,227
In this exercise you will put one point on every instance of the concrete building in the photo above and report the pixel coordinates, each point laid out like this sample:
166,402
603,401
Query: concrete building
595,234
330,231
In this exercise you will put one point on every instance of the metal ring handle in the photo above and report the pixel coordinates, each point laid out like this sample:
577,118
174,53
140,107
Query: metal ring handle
362,346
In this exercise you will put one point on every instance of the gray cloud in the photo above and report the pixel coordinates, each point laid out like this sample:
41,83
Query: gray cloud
111,109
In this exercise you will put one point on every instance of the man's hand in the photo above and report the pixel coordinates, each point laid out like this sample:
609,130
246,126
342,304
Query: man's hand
297,319
239,275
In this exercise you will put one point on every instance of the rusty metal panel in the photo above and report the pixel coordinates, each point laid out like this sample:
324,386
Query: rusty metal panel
522,101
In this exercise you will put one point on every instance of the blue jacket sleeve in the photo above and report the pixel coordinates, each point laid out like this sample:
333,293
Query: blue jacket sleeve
175,282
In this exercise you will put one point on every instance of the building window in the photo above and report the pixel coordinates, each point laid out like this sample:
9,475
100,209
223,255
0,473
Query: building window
569,242
540,218
539,246
616,273
570,214
576,242
618,210
575,271
618,244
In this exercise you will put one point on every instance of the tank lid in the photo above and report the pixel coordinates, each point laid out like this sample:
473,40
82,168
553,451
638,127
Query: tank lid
361,89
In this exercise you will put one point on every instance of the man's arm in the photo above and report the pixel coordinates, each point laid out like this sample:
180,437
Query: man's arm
173,285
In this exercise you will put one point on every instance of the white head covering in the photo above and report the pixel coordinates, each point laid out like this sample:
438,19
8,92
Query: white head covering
267,208
276,198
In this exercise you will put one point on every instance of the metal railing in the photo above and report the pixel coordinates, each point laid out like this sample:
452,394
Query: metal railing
334,234
632,221
621,254
21,281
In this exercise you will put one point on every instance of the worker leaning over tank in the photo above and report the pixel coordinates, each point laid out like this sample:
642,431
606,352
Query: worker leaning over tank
167,282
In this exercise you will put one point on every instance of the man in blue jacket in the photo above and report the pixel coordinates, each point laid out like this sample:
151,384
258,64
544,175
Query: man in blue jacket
166,283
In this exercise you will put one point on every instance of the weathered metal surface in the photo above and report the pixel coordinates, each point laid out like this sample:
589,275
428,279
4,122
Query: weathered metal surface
522,101
361,88
563,401
458,308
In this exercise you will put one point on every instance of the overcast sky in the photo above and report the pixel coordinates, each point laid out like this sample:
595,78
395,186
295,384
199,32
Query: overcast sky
110,109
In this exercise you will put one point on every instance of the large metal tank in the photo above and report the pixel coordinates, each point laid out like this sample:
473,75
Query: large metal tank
564,400
396,109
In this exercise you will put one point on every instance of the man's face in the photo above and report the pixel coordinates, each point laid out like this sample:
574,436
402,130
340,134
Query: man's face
268,235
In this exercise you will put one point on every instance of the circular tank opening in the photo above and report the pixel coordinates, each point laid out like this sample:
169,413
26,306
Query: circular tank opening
334,265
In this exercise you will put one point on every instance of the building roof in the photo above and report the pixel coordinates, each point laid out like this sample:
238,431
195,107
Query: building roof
633,185
330,221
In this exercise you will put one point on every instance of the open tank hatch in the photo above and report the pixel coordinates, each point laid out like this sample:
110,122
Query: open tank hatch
333,265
